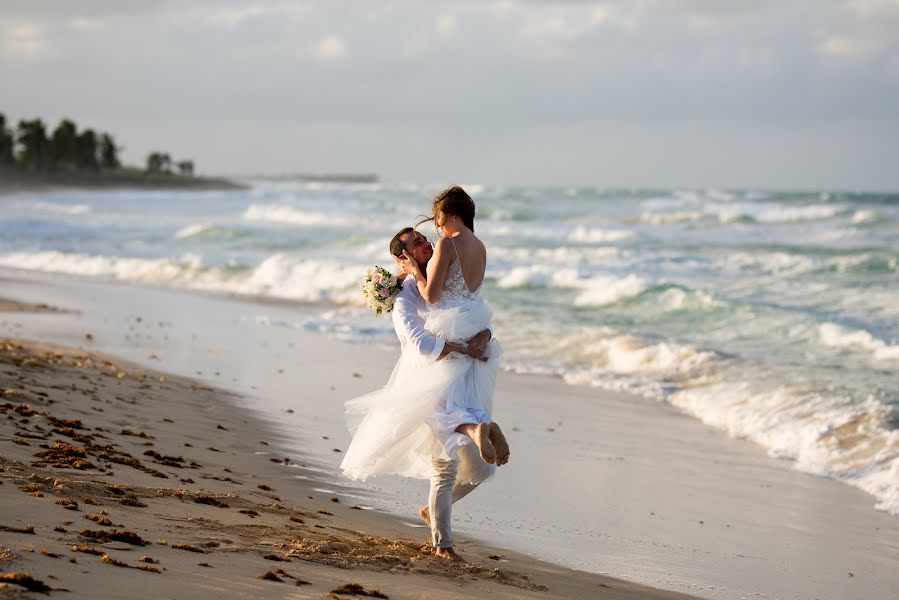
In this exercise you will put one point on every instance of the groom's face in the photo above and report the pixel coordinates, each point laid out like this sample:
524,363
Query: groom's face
418,246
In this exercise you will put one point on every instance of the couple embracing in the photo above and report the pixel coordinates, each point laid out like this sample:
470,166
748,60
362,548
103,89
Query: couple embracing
433,418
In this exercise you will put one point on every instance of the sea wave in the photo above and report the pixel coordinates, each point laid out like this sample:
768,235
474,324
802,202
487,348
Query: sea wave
130,269
593,235
59,209
208,232
835,336
600,290
282,213
821,434
278,276
696,208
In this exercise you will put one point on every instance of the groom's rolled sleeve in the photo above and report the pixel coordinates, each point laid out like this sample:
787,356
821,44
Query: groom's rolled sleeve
410,326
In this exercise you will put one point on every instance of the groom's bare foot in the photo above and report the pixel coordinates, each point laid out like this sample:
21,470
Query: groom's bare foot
500,444
448,554
425,513
482,440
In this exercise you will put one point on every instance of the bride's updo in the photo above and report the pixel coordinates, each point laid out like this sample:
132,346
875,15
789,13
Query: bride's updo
455,201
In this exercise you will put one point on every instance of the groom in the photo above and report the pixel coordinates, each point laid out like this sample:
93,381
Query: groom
409,325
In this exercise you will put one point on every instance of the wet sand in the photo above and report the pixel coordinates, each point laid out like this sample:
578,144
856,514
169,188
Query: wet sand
115,477
599,481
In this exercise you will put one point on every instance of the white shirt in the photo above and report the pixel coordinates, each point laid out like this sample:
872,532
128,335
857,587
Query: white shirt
409,324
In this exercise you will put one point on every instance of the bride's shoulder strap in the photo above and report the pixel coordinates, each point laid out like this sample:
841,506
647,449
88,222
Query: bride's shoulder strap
456,250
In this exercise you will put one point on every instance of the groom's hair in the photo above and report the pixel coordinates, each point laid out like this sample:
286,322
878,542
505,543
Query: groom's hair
396,244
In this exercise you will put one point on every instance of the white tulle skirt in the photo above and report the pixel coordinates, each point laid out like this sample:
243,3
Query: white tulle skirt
401,428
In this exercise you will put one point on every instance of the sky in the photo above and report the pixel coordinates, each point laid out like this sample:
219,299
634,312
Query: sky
642,93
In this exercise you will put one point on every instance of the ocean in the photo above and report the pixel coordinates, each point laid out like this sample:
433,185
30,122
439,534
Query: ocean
771,315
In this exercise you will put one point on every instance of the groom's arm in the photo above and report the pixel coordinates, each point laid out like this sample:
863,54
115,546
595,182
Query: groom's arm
409,325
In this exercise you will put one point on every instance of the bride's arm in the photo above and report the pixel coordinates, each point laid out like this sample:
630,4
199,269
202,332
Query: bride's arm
432,287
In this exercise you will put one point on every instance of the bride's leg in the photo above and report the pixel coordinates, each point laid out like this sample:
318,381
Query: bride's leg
480,435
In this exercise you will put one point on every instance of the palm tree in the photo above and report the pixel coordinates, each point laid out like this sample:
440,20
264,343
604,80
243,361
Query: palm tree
186,168
7,144
154,162
109,158
35,147
87,150
64,146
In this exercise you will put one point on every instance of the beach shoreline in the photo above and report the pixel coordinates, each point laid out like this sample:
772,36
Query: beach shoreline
628,488
232,497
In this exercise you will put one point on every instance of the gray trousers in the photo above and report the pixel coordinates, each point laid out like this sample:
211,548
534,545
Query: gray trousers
444,492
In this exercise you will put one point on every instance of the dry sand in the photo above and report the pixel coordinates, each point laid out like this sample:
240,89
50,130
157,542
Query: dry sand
151,481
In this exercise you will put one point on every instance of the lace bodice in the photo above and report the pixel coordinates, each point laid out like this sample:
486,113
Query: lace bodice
454,287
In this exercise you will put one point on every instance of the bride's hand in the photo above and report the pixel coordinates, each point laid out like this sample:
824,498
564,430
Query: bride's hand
410,266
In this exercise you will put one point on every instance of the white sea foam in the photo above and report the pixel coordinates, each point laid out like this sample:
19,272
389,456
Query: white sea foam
836,336
544,276
600,290
865,216
673,299
132,269
822,435
630,354
278,276
772,213
192,230
663,218
593,235
780,263
60,209
282,213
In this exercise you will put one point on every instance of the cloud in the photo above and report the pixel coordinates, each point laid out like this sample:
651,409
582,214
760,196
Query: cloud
504,78
331,47
446,24
869,29
565,22
25,40
230,18
86,23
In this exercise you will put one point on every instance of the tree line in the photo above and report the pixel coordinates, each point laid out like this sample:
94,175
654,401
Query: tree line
30,148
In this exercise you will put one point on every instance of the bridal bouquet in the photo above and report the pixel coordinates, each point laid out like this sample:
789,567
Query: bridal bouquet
380,287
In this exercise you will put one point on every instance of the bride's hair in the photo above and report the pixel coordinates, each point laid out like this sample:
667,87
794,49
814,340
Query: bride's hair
453,201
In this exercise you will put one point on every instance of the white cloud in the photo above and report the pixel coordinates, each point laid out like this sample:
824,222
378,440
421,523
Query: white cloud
848,46
564,22
25,40
871,29
446,24
331,47
86,23
233,17
534,71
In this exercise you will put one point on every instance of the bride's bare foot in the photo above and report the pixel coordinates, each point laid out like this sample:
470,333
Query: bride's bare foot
425,514
448,554
500,444
482,439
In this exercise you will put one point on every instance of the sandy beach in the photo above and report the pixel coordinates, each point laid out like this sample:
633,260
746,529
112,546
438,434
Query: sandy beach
118,476
633,491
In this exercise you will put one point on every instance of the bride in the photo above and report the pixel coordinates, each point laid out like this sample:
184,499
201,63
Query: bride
451,287
433,418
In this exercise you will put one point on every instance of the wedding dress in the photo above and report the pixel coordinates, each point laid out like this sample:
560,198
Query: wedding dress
411,421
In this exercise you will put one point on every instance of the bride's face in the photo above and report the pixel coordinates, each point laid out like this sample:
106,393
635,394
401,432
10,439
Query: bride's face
445,225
